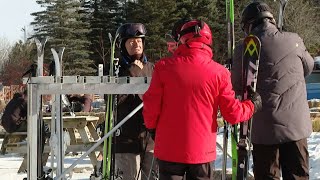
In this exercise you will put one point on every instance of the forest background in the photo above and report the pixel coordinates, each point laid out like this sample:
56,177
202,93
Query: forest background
82,27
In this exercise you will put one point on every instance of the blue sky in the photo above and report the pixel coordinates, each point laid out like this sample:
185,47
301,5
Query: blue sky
14,15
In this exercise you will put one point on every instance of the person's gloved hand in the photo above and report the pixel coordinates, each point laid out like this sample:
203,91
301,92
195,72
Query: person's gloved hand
255,98
152,133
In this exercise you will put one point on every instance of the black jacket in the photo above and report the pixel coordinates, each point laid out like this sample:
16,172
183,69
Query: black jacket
15,112
129,140
284,64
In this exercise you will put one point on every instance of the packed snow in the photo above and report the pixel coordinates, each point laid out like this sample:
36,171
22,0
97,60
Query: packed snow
10,163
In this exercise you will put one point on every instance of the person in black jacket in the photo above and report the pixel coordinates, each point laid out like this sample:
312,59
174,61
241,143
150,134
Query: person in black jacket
132,146
280,130
14,118
80,103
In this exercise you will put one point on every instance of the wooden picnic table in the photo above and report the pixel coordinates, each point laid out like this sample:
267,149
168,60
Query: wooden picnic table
82,135
85,127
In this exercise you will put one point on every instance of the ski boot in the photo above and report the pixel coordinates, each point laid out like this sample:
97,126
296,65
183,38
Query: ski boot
96,175
45,175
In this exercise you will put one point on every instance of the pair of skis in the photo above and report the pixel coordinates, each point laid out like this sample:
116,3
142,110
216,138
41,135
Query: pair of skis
250,65
240,147
108,166
241,140
106,171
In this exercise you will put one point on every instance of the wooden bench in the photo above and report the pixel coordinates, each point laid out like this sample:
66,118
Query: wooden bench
12,142
2,132
12,138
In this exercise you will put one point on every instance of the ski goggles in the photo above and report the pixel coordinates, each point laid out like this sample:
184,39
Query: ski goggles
136,30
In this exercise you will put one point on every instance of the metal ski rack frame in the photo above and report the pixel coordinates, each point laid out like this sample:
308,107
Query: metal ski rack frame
58,85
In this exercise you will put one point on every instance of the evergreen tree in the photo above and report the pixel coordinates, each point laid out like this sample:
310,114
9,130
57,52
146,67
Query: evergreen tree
105,17
62,24
83,28
207,11
41,20
156,16
158,11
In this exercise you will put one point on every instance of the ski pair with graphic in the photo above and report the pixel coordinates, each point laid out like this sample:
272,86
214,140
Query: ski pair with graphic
251,53
250,65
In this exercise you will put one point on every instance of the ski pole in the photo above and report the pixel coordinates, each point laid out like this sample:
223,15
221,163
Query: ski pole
100,141
231,44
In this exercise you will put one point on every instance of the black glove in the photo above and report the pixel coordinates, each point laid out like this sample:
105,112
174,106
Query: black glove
255,98
152,133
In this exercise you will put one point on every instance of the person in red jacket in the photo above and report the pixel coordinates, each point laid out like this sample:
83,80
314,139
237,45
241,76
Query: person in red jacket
181,105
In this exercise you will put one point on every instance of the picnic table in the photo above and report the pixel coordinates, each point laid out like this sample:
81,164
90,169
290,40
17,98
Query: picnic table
82,136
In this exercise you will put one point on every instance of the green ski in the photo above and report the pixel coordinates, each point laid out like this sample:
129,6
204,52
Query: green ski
234,129
108,159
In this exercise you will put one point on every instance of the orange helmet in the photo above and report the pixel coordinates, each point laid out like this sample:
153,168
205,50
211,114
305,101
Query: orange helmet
196,31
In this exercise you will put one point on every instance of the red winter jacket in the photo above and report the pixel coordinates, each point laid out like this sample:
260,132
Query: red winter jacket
182,101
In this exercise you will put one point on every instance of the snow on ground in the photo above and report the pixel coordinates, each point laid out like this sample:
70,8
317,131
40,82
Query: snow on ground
314,155
9,163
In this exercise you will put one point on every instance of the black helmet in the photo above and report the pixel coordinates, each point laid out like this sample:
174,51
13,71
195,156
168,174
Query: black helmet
126,31
255,11
177,27
130,30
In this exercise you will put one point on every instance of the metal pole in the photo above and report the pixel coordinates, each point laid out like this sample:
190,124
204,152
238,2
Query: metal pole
32,135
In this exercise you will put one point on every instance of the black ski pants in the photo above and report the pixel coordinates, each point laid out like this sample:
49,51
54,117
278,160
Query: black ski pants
177,171
291,158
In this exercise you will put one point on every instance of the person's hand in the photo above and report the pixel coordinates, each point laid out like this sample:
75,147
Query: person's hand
138,63
136,68
255,98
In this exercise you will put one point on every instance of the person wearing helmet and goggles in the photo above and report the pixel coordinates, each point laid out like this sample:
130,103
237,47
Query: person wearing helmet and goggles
182,101
280,130
131,142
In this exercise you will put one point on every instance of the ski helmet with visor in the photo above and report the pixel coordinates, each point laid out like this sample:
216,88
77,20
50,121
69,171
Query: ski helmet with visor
130,30
195,31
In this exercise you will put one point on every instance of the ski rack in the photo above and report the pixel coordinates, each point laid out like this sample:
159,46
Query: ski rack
58,85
